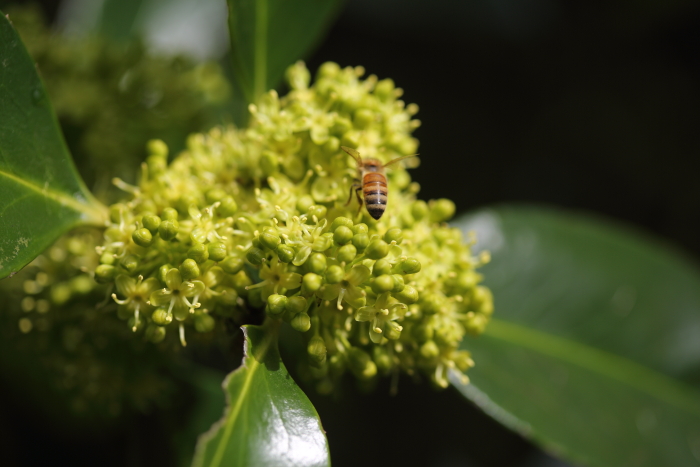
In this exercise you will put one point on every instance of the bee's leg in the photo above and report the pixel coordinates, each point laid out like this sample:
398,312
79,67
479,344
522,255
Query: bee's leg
359,198
355,187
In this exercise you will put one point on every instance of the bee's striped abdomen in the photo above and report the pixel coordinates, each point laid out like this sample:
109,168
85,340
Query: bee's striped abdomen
374,192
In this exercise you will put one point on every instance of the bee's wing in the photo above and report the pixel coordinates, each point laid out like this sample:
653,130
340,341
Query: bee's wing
355,155
394,161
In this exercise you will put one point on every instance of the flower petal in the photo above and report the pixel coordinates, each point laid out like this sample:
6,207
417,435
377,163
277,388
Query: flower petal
358,274
161,297
125,285
173,279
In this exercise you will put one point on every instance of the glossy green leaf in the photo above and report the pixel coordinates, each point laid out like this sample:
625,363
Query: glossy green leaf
269,35
269,420
594,342
41,194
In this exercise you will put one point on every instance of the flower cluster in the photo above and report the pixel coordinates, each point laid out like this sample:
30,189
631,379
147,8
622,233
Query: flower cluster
258,219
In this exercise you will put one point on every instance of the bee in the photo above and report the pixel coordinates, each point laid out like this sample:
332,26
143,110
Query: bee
372,182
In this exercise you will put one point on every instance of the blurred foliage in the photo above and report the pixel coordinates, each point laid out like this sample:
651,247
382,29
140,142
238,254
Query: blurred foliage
110,99
54,339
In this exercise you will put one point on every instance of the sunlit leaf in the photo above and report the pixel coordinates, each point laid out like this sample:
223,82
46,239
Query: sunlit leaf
41,194
269,420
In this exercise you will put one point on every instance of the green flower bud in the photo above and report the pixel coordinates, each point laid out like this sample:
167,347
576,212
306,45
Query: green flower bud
301,322
270,238
298,76
203,322
363,118
157,164
328,70
360,228
151,223
361,364
334,274
482,300
377,249
316,263
338,221
255,256
311,283
285,253
227,208
317,349
118,213
381,358
392,235
317,210
155,334
217,251
161,316
142,237
168,229
392,330
157,147
361,241
408,295
463,360
410,266
189,269
423,332
381,266
162,271
214,195
168,214
129,263
442,210
198,252
399,283
383,283
269,163
420,210
107,258
429,350
105,273
346,253
342,235
276,304
323,242
304,203
232,264
296,304
384,89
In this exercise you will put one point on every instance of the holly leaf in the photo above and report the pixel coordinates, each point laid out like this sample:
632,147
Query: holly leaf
41,193
268,419
594,349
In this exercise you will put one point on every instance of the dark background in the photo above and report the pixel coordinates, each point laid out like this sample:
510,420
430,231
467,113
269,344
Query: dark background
586,105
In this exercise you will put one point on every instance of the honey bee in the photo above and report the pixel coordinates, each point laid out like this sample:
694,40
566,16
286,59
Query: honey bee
372,182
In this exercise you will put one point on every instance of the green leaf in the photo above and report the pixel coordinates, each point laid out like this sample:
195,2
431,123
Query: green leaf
269,420
269,35
595,341
41,194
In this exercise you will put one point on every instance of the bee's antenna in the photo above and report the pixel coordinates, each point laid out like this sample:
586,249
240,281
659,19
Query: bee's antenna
354,154
393,161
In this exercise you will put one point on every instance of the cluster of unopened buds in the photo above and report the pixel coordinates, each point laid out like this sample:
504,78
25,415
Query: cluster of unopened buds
257,220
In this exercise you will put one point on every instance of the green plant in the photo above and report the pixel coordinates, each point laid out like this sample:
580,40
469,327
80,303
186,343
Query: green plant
250,223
